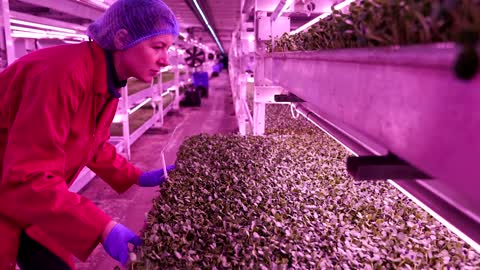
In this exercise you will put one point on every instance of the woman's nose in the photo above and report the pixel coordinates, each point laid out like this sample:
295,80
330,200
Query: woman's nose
163,60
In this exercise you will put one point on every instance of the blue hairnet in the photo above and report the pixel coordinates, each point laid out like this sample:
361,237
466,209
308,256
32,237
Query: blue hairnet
143,19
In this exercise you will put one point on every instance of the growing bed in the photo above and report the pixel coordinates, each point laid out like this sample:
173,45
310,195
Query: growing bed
285,201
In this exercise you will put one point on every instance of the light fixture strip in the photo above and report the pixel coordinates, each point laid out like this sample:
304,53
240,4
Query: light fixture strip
26,29
35,33
22,34
208,25
42,26
100,4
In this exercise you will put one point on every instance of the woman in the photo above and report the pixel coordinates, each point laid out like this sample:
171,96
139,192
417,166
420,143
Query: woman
56,108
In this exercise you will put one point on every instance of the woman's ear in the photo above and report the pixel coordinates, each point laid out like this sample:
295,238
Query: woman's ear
120,39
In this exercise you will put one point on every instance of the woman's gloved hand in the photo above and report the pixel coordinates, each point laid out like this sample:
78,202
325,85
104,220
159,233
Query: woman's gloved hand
154,178
117,240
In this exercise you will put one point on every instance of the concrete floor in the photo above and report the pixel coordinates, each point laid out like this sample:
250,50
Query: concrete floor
216,115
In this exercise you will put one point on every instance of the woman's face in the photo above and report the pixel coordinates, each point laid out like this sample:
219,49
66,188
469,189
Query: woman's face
144,60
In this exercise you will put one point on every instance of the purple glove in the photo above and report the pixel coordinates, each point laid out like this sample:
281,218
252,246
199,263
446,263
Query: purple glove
153,178
117,241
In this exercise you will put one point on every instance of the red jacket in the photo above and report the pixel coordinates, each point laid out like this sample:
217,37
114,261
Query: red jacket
55,115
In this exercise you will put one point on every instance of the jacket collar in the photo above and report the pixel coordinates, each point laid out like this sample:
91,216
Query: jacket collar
113,82
103,79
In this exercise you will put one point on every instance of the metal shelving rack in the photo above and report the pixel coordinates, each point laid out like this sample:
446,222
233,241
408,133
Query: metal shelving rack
401,101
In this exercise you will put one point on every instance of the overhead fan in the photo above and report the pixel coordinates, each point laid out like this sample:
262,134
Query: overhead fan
195,58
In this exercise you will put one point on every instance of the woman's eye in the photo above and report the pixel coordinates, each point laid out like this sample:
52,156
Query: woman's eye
159,47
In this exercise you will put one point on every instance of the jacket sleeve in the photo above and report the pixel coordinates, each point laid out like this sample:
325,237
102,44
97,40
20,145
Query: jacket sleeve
113,168
33,190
